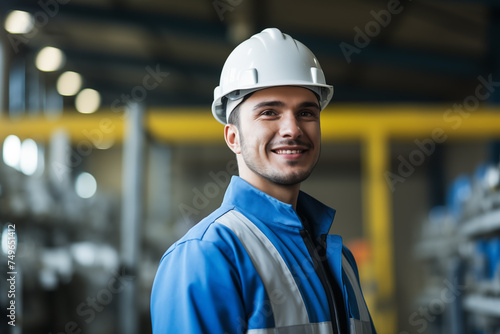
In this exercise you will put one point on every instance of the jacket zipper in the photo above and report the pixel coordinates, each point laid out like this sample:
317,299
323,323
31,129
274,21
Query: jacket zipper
337,309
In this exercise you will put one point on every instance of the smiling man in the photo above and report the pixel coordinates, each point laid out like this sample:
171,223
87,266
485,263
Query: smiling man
277,139
263,262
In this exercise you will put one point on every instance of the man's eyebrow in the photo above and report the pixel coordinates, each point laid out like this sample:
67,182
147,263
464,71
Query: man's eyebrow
268,104
306,104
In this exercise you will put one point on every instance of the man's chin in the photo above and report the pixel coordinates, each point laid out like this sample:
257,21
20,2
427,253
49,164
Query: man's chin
290,179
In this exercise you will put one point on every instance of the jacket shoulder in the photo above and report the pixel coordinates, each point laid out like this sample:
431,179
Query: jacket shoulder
205,230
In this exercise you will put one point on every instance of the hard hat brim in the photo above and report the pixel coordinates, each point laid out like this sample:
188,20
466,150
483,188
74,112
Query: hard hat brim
324,93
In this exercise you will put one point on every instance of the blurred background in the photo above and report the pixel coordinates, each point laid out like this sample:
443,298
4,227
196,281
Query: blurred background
110,152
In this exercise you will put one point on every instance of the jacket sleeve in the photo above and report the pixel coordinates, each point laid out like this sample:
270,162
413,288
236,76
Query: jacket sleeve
197,290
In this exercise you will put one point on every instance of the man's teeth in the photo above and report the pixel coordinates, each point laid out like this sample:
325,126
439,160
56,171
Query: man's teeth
288,151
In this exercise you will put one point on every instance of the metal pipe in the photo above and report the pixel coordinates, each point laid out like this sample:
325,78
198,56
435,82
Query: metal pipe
132,208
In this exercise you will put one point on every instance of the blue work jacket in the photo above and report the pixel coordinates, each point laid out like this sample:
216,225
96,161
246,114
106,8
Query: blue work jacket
247,268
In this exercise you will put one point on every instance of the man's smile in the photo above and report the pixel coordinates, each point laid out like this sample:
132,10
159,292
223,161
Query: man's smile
288,151
291,149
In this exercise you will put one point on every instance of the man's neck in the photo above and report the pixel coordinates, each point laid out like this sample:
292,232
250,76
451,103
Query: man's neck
284,193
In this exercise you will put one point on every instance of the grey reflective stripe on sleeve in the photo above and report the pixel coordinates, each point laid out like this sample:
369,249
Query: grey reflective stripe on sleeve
315,328
363,325
360,327
286,300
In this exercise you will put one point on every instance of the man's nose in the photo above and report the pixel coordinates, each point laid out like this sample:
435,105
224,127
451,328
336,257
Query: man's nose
289,126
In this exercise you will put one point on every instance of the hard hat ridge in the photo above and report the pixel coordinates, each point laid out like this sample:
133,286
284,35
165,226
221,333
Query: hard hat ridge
270,34
268,59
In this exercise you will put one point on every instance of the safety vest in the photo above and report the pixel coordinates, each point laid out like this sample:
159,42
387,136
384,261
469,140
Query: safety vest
288,307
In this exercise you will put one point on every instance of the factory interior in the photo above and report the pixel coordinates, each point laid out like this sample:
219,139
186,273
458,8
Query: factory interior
110,153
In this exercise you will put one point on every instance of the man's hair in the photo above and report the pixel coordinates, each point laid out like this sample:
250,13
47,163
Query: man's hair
234,117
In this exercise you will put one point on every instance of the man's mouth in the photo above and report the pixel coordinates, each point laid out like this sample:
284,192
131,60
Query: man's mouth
288,151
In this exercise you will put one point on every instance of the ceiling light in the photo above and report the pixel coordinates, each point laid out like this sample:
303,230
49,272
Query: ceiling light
105,143
88,101
50,59
12,151
19,22
69,83
85,185
29,157
492,177
7,235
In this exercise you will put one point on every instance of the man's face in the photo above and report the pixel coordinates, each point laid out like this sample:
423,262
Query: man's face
279,135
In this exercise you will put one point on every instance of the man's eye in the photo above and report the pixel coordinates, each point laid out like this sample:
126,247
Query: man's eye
307,113
268,113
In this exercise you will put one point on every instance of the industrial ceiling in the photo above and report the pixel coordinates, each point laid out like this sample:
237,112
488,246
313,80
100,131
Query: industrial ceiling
371,51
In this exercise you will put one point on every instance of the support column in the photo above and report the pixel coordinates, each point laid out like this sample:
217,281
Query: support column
377,224
3,76
132,208
494,49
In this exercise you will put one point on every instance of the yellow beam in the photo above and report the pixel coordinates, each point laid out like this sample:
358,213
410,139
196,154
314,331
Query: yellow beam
185,126
79,127
407,122
342,122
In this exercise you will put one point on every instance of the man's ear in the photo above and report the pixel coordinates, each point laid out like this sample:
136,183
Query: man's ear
232,137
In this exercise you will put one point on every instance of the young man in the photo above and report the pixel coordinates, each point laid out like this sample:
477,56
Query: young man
263,262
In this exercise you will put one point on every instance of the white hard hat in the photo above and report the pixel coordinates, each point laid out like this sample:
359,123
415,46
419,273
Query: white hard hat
268,59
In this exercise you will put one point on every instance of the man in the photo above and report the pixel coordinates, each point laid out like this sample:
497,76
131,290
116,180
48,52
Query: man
263,262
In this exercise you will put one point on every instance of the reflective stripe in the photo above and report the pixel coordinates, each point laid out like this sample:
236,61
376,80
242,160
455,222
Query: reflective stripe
364,324
363,310
316,328
360,327
286,300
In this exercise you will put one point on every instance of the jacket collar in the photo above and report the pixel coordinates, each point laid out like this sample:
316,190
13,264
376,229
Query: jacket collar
250,200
